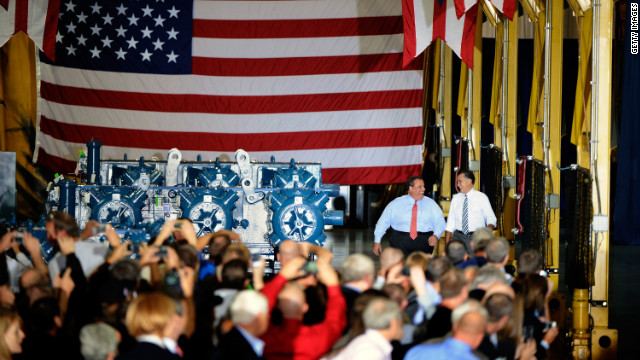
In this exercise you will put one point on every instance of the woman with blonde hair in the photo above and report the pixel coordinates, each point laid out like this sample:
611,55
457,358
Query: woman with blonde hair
12,334
150,319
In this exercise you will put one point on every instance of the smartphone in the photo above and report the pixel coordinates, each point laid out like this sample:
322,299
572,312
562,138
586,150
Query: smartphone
61,261
406,271
162,252
18,237
255,258
171,284
133,247
528,332
99,229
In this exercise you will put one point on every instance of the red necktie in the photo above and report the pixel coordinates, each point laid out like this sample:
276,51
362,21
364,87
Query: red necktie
413,232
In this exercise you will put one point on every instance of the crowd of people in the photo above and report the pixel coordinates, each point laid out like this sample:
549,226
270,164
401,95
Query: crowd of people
169,300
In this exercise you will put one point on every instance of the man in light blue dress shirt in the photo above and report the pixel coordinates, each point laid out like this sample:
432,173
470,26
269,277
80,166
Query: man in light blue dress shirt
469,324
398,216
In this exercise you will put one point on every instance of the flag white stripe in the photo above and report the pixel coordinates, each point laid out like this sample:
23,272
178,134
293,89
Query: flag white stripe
329,158
499,4
280,10
228,85
35,27
454,28
7,22
424,29
299,47
469,3
228,123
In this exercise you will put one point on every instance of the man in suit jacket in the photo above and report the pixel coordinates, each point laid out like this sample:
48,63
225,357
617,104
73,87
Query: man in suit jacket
250,314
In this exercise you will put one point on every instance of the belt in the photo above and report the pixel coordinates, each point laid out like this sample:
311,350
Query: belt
469,233
419,233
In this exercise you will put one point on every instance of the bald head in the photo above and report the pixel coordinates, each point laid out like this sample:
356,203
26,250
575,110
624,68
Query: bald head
472,323
469,322
288,250
292,302
391,256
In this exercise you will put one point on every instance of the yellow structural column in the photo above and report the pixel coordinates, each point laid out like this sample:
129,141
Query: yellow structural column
554,81
555,133
444,114
476,104
602,92
512,98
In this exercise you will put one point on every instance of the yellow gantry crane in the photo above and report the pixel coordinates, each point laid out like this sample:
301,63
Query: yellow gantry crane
590,335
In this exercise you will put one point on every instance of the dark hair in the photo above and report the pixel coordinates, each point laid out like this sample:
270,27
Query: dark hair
437,267
497,250
42,314
469,175
226,238
456,250
63,221
411,180
534,289
529,262
234,274
498,305
452,282
188,255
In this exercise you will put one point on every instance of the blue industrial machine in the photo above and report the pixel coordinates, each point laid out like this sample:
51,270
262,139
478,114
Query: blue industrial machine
265,202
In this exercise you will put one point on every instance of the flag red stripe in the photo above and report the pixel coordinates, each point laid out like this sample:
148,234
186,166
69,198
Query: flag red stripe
439,19
409,25
370,175
509,8
460,8
21,16
50,28
469,36
58,164
300,66
306,140
303,28
231,104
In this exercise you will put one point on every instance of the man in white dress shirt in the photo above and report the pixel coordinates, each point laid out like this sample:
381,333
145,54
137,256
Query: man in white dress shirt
470,210
383,322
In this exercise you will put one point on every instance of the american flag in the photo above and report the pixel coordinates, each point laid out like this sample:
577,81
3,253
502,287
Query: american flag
317,81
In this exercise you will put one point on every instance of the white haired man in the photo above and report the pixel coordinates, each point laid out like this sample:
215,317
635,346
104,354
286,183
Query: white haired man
383,323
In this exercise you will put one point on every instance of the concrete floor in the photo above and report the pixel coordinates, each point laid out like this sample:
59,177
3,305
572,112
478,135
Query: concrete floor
624,286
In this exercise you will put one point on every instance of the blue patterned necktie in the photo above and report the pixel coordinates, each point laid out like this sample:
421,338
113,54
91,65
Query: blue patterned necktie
465,215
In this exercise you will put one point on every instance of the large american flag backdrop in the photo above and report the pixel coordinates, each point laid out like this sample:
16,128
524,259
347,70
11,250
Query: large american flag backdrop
317,81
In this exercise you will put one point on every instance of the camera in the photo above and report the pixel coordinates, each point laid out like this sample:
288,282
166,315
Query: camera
309,268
